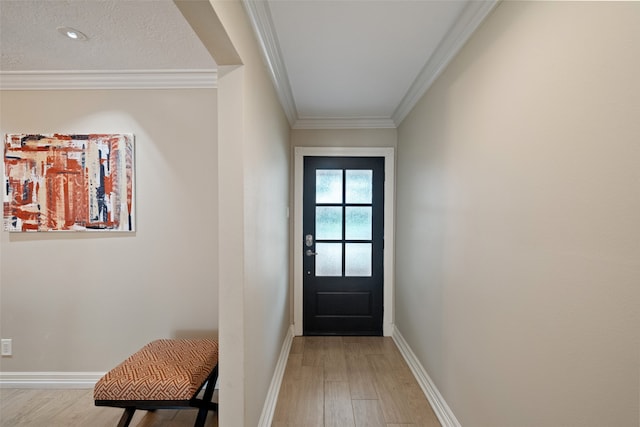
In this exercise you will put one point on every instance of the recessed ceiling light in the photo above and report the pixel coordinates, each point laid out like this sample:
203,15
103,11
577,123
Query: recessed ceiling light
72,33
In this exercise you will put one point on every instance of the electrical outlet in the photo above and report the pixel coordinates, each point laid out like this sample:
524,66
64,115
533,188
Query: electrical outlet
6,347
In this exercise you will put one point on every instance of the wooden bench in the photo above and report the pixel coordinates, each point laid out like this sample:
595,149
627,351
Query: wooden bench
164,374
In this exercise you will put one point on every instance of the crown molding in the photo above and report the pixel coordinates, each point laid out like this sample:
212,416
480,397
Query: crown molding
344,123
260,17
116,79
468,22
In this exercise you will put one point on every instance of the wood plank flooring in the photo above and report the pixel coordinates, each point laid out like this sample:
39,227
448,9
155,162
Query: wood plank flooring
75,408
328,382
350,382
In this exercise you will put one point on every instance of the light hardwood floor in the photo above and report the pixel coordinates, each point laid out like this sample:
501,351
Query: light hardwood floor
328,382
350,382
75,408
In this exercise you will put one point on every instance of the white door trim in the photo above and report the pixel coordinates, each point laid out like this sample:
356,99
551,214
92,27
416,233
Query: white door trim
389,198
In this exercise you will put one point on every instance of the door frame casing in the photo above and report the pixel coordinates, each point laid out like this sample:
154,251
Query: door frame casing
389,199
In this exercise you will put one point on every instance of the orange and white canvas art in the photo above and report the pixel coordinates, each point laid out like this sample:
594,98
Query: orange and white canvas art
62,182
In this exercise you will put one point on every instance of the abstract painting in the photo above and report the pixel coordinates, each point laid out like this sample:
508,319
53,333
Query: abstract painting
79,182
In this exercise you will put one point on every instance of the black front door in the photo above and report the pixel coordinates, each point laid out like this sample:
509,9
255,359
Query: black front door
343,231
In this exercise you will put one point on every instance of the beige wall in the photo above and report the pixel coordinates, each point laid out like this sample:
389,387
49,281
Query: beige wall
344,138
254,251
518,257
83,302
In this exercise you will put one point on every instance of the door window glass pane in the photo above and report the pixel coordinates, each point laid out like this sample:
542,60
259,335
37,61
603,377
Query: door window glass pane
329,259
328,223
358,223
357,260
359,186
328,186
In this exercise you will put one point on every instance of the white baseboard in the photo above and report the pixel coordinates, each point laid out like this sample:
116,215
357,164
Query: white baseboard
440,407
49,380
276,381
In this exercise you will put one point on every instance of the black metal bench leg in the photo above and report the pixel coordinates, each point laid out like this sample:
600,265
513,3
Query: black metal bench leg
202,417
126,417
206,398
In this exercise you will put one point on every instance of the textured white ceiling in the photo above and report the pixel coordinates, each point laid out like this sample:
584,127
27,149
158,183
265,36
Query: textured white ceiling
335,63
357,58
123,35
359,63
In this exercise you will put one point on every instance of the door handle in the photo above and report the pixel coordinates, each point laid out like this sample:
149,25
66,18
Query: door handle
309,252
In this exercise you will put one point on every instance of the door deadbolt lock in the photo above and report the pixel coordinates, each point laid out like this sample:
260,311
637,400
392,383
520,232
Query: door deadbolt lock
308,240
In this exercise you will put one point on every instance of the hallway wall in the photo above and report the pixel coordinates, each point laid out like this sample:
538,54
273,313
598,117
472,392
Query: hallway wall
64,304
344,138
518,232
254,251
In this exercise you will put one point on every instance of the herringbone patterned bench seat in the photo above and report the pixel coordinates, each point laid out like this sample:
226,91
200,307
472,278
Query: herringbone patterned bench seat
164,373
